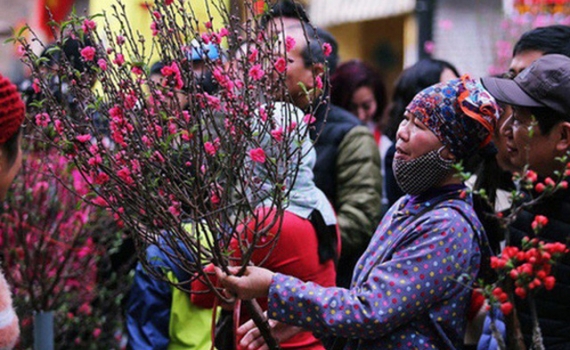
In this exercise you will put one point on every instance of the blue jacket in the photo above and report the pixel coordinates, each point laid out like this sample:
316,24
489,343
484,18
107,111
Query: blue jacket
160,316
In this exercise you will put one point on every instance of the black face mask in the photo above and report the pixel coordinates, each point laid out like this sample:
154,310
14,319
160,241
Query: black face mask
418,175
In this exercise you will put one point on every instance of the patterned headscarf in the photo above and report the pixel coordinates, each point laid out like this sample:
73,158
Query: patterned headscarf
460,112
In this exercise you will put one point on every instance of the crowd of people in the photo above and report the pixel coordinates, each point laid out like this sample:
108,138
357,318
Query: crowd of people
382,244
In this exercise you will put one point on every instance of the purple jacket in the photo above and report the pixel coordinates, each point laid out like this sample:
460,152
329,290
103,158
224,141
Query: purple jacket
411,288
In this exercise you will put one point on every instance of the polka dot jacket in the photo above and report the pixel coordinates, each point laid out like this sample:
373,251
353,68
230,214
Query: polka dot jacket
411,288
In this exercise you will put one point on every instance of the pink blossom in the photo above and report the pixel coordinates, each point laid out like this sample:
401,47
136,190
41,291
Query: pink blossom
157,14
102,64
173,72
429,47
88,25
120,40
186,116
309,119
42,119
252,55
291,126
319,82
213,101
256,73
257,155
88,53
222,78
289,43
130,100
158,156
277,134
154,28
172,128
208,25
83,138
40,187
36,86
205,38
327,49
101,179
210,148
119,59
21,50
223,32
280,65
95,160
186,136
214,198
168,2
137,70
125,175
96,332
446,24
216,39
262,114
174,209
85,309
58,127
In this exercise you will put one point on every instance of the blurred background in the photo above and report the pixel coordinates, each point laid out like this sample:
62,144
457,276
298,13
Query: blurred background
475,35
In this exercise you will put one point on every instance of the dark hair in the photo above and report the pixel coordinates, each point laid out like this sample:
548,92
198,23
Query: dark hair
287,9
314,53
72,51
547,118
156,67
351,76
412,80
549,40
11,147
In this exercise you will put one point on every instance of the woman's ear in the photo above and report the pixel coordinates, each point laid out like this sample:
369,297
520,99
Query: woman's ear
446,154
563,137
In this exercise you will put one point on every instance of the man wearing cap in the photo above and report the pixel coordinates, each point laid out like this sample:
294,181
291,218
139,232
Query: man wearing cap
540,96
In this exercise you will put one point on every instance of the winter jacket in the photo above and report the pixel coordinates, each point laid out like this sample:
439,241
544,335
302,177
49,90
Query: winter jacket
411,288
553,307
160,316
9,328
348,172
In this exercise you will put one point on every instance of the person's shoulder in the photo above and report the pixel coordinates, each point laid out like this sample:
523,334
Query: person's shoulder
342,116
455,212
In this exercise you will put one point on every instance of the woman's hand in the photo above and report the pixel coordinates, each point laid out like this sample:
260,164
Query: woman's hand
253,284
251,339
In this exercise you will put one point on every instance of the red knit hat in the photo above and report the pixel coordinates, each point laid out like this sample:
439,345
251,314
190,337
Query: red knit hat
12,109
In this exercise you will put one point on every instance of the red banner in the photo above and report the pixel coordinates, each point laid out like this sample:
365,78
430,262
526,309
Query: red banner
59,10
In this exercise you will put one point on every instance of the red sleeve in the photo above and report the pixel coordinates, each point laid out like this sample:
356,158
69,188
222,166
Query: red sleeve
201,296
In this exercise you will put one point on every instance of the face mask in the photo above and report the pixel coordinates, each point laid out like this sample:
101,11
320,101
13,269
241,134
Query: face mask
417,175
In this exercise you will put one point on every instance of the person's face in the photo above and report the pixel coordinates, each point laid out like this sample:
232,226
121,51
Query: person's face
363,104
446,75
500,142
8,172
297,73
519,62
414,139
526,144
522,60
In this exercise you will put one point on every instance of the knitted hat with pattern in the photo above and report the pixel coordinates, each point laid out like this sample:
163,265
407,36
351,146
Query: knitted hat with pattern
12,109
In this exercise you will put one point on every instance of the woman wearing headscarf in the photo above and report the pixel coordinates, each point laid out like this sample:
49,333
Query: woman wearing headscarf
412,286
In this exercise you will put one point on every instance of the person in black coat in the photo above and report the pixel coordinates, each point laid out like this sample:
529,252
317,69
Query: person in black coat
539,96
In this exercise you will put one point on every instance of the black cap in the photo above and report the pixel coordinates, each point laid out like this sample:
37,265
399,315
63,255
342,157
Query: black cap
545,83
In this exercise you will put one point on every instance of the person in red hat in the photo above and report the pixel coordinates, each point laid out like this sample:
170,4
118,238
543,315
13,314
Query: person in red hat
11,117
